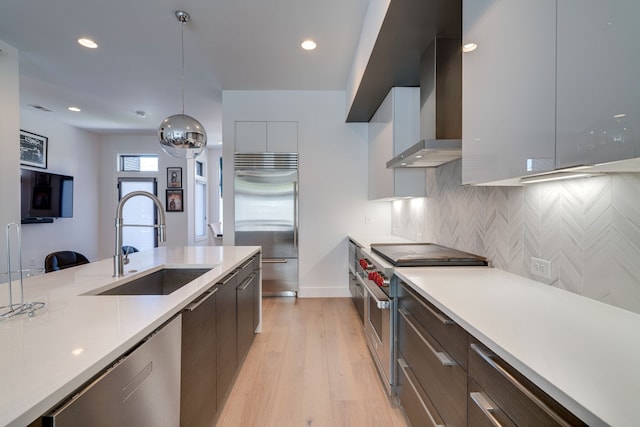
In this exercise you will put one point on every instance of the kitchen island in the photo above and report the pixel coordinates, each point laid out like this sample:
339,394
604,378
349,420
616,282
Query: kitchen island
581,352
78,334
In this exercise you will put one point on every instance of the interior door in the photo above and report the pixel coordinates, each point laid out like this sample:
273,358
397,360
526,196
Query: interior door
138,210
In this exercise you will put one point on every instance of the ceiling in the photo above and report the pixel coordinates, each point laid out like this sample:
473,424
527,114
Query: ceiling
228,45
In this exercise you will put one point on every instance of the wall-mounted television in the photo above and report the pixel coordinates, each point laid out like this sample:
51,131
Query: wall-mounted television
44,196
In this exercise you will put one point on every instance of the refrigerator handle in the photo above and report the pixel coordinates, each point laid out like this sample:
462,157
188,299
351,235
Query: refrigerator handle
295,214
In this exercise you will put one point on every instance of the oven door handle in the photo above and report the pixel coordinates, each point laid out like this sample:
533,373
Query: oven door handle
382,304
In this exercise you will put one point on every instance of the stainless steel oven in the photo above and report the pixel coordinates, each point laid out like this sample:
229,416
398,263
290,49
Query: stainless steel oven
375,271
378,316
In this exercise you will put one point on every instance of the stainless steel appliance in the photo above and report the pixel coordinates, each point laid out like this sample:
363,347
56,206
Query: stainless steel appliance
355,287
375,272
141,389
266,215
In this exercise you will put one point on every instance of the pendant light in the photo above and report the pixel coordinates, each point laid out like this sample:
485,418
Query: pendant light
181,135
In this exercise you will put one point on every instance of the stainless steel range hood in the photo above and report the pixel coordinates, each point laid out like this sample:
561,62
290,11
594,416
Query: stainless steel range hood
428,153
440,108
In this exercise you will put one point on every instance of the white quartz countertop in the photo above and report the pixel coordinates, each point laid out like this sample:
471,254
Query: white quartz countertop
584,353
48,356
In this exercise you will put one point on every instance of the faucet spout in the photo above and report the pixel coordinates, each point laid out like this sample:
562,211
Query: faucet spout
118,258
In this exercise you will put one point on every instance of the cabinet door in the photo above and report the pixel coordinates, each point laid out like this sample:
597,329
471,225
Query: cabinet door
244,302
508,97
198,379
226,337
598,88
282,137
395,127
381,150
251,137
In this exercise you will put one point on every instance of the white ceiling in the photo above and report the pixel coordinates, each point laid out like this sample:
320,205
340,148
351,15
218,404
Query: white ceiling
229,44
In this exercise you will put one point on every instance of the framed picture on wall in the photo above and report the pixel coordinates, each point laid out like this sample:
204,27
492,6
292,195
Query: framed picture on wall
174,201
33,149
174,177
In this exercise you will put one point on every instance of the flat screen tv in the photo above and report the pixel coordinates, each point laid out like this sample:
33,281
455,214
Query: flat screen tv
45,196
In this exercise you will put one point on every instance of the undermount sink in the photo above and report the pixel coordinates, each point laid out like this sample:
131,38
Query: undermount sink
161,282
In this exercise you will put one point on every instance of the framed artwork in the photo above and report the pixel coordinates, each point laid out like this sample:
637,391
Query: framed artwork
33,149
174,201
174,177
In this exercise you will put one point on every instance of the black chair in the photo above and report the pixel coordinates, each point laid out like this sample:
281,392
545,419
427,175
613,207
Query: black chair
63,259
126,250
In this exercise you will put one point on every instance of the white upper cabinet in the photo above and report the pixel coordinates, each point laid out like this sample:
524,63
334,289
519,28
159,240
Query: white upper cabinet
598,100
271,137
395,127
508,89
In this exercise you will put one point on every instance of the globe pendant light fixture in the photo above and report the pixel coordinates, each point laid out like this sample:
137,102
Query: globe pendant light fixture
181,135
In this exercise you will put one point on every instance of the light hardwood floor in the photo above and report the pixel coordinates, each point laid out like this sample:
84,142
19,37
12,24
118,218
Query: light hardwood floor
309,367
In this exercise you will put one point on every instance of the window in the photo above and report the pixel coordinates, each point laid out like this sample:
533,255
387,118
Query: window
200,206
138,163
201,209
139,210
200,169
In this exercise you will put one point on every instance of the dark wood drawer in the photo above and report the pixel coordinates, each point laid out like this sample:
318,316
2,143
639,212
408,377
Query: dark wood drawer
482,411
416,404
451,337
246,269
443,380
521,400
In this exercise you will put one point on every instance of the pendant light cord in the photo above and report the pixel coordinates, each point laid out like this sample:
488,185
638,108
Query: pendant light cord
182,42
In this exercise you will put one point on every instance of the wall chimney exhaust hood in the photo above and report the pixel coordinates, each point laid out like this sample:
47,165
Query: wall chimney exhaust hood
440,108
428,153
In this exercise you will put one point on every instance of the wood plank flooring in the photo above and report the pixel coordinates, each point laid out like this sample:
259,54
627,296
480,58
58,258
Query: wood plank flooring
310,366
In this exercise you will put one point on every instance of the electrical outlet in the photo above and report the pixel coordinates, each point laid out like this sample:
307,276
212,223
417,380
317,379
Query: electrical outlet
367,219
541,267
419,237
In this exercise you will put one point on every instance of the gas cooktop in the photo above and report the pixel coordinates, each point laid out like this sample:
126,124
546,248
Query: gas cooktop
425,255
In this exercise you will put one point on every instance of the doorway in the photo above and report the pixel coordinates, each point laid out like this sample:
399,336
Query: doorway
140,211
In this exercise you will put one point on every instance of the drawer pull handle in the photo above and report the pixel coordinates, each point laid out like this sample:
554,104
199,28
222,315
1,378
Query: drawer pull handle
407,375
246,283
524,390
197,304
487,407
440,355
443,319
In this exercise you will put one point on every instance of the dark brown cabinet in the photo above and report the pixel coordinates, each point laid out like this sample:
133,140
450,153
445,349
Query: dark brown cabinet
499,393
226,334
245,293
432,382
198,403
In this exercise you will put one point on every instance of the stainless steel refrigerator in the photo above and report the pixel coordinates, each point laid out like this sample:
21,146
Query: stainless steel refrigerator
266,215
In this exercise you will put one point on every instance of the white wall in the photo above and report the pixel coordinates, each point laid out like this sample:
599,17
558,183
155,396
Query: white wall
9,142
213,186
332,174
74,152
109,148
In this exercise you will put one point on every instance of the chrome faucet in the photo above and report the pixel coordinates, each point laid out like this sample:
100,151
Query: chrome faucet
118,259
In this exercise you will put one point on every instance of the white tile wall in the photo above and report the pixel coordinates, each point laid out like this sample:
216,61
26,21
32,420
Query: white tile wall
589,229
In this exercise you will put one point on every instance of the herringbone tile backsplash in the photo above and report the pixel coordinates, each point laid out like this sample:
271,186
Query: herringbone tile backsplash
588,228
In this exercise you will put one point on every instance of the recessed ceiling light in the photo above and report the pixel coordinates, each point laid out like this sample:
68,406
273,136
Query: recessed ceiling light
88,43
619,116
308,45
469,47
74,109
